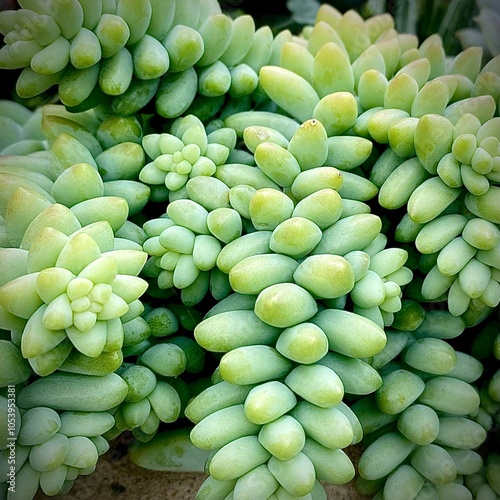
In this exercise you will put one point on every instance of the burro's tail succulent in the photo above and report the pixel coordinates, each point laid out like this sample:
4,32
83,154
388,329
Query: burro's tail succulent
67,294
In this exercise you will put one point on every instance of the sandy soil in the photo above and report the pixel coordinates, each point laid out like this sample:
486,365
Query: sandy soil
117,478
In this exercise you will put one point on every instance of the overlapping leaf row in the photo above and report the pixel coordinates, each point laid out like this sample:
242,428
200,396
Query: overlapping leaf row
264,248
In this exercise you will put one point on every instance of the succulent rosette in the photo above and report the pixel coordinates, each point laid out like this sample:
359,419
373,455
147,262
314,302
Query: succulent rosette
68,291
185,152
